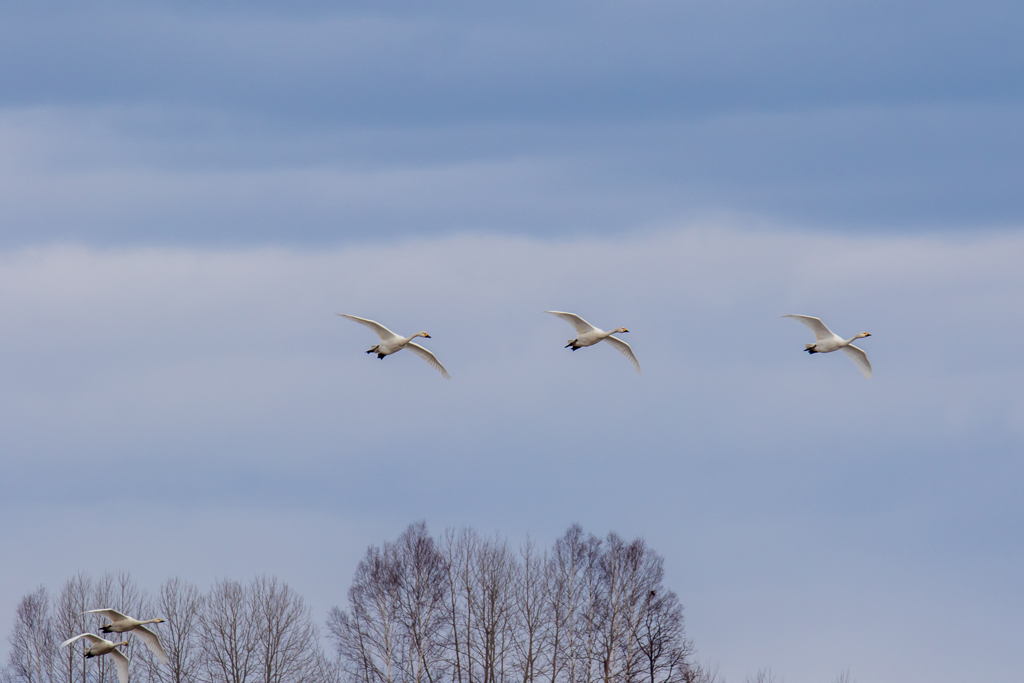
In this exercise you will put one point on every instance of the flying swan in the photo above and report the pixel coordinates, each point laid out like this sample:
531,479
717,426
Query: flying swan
588,335
828,341
392,343
120,623
100,647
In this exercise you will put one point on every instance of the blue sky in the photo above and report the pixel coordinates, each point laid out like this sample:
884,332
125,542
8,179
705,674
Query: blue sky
187,196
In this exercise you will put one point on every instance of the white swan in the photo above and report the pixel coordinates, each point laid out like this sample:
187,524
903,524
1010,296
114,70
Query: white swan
828,341
392,343
588,335
100,647
119,623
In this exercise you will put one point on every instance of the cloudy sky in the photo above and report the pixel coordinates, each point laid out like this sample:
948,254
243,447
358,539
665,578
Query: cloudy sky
188,196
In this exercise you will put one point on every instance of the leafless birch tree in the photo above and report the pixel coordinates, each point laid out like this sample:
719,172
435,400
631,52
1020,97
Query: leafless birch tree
531,613
229,644
467,609
33,654
422,603
179,604
285,635
367,634
72,601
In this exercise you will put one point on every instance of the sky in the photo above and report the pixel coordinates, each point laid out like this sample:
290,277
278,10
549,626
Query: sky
189,194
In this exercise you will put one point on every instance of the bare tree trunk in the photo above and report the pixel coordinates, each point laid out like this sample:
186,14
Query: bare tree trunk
452,550
532,615
492,574
469,600
588,623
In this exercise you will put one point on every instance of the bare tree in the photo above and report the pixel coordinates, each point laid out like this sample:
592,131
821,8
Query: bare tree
661,639
114,590
397,625
459,550
229,642
179,604
531,608
69,621
612,618
33,643
572,579
422,592
284,632
466,610
493,571
367,635
589,666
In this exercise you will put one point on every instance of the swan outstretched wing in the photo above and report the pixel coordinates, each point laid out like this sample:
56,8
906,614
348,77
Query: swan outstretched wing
94,639
581,325
382,332
152,642
122,666
821,332
625,350
110,614
858,356
429,357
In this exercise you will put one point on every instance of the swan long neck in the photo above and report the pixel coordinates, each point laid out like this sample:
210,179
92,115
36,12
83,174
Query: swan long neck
151,621
854,338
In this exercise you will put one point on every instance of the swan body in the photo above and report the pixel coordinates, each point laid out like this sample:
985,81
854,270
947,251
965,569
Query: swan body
120,623
826,341
588,335
102,646
393,343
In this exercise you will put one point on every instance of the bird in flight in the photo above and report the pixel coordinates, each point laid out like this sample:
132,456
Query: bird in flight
588,335
102,646
826,341
392,343
120,623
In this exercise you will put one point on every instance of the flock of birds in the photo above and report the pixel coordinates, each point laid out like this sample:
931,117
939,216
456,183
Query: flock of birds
826,341
119,623
586,335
